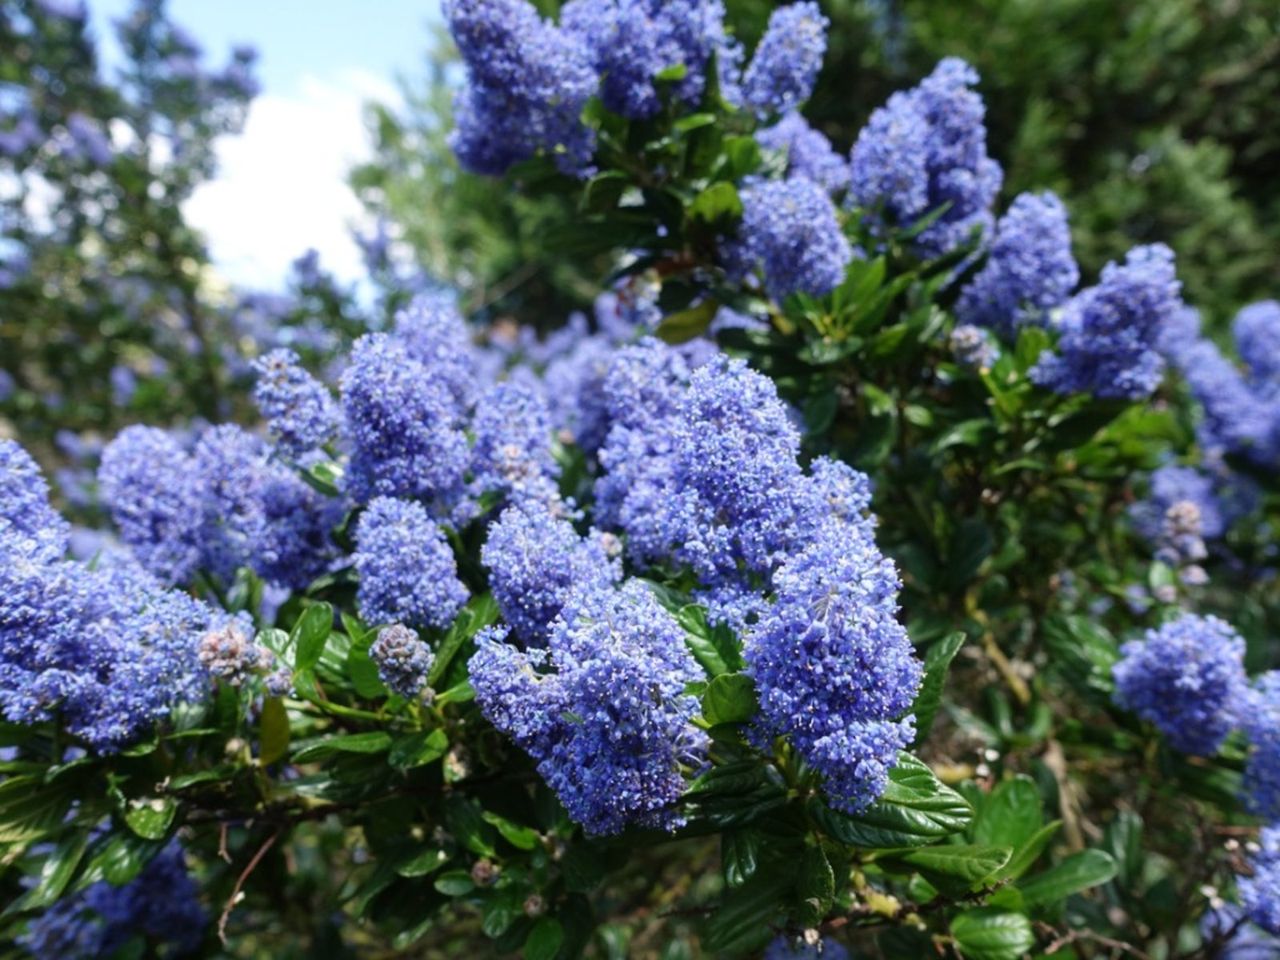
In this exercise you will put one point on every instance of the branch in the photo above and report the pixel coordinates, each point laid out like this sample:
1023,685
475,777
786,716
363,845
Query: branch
244,875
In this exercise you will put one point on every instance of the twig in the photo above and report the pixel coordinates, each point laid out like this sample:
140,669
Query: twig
244,875
1072,936
222,841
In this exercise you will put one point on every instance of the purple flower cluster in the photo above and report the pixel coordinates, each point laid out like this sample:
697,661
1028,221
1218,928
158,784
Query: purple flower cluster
104,648
1029,270
1110,332
407,570
159,910
971,347
808,152
924,150
602,708
1261,715
791,229
301,415
1260,893
535,559
785,65
512,454
1187,678
527,82
630,42
402,659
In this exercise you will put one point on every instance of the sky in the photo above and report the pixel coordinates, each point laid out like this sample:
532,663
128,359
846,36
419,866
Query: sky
281,185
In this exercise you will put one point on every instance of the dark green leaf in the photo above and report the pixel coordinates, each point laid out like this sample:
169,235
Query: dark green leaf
150,819
455,883
684,325
720,201
273,731
310,633
936,664
56,871
1010,815
988,933
525,838
373,742
815,886
544,940
969,864
739,855
730,698
418,749
1080,871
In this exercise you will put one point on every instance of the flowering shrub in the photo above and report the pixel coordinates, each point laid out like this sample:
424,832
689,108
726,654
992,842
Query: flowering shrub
779,608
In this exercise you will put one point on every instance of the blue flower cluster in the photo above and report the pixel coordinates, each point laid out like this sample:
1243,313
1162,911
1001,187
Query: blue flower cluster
527,82
924,151
785,65
1260,893
512,454
1110,333
402,659
1261,715
631,42
1241,407
406,567
1186,677
791,948
602,708
159,909
1029,270
105,648
299,410
971,347
791,228
808,152
535,559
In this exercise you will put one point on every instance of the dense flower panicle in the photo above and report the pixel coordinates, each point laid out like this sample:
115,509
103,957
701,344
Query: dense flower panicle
24,506
1110,333
403,426
435,334
790,227
527,82
630,308
1257,334
1261,720
1029,270
160,908
229,652
785,66
151,488
629,42
296,543
407,570
575,391
535,560
602,709
402,659
1187,678
300,413
833,668
231,465
1239,939
1172,485
512,453
972,348
1260,893
808,152
925,148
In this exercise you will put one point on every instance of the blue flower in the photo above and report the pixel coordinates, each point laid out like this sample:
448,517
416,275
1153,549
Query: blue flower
512,453
25,512
972,348
434,333
1260,893
1261,721
808,153
1110,332
790,227
407,570
602,709
300,413
1187,678
785,66
402,659
527,82
923,150
1029,269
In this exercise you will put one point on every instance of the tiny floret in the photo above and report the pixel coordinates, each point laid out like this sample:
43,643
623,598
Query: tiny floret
402,659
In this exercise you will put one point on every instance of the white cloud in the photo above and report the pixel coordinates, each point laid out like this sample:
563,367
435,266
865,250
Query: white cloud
281,185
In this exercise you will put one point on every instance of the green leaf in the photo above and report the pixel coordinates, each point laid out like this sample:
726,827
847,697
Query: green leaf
150,819
730,698
363,673
720,201
715,648
373,742
988,933
1027,854
969,864
422,863
544,940
31,809
672,74
480,612
122,859
273,731
936,664
743,921
310,634
459,693
684,325
815,886
418,749
916,809
739,855
56,871
1010,815
455,883
525,838
467,824
1080,871
583,867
